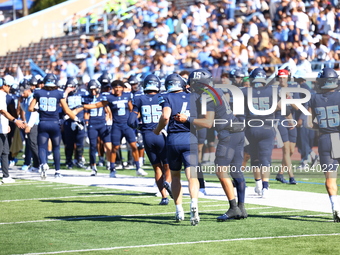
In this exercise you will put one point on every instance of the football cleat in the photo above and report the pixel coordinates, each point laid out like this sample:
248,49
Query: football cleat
292,181
113,173
257,191
336,215
94,172
164,201
202,192
244,213
119,166
194,217
24,168
265,193
167,186
58,175
281,179
179,216
8,180
43,169
231,214
34,169
141,172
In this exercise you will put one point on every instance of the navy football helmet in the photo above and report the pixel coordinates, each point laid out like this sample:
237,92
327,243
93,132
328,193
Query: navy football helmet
133,80
199,79
50,80
24,84
93,84
327,78
34,81
105,79
257,77
71,83
237,73
174,82
151,82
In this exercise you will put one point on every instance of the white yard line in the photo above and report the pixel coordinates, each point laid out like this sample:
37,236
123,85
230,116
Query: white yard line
184,243
103,217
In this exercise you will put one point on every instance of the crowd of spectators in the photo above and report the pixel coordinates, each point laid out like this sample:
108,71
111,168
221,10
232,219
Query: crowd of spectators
155,36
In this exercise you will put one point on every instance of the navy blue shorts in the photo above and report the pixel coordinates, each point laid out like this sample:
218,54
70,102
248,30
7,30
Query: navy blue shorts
261,144
155,147
201,135
230,149
327,163
288,134
103,131
182,149
119,131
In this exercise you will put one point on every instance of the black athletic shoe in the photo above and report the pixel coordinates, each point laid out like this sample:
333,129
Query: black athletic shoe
244,213
164,201
231,214
281,179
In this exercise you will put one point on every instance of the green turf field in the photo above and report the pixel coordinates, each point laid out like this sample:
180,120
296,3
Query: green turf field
54,218
42,217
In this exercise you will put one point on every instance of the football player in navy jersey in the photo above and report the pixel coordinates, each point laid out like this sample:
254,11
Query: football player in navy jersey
94,120
288,135
148,108
305,136
74,135
120,104
229,150
49,100
181,143
261,136
325,107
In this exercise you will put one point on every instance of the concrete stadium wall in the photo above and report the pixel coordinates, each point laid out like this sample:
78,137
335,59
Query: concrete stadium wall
43,24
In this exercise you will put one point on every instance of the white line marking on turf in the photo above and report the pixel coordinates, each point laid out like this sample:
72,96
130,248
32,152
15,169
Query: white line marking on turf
80,189
281,212
309,216
70,187
96,217
196,242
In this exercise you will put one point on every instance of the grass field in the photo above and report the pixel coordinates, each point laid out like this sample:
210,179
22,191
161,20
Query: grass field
42,217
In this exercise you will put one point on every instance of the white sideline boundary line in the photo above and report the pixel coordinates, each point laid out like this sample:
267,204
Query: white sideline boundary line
181,243
107,216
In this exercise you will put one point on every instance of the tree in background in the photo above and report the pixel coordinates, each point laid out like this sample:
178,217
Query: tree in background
39,5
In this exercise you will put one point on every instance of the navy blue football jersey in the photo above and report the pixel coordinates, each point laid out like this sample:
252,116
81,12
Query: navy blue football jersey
179,103
261,100
216,102
97,115
119,106
49,103
150,110
326,108
74,100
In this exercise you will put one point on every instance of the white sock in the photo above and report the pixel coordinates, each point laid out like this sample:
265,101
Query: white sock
334,202
258,184
205,157
194,202
211,156
179,208
141,161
